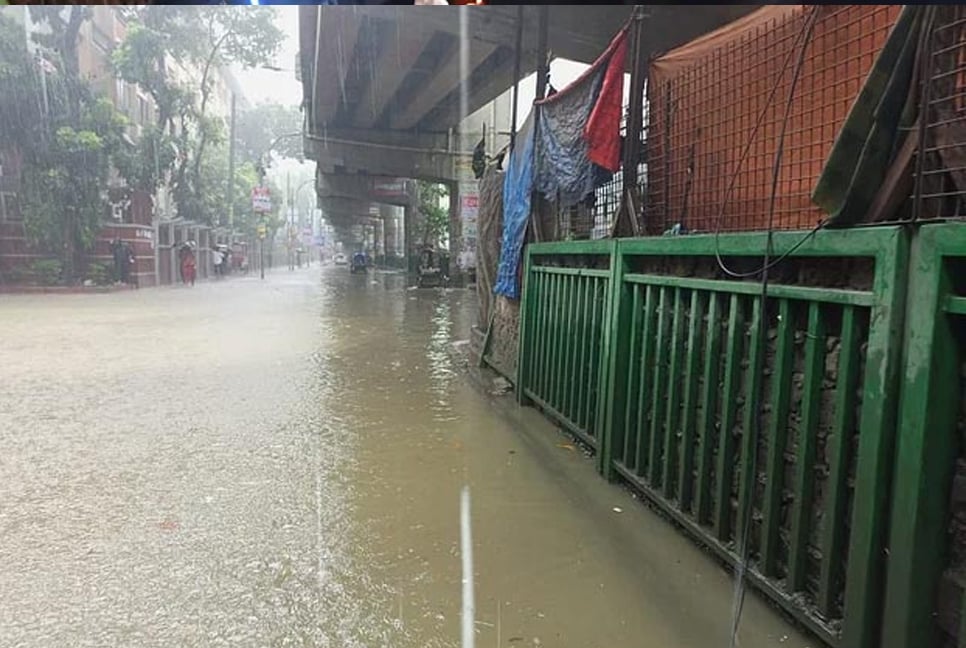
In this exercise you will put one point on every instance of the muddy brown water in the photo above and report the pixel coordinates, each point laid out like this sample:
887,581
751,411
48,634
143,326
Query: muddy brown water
279,463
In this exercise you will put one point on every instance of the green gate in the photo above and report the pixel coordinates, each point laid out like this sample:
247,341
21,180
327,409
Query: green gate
679,383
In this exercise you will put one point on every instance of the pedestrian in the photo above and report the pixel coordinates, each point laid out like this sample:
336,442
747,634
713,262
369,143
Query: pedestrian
216,259
131,263
124,260
117,254
188,269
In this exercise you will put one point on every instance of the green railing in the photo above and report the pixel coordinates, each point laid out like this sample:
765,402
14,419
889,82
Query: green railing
563,323
683,385
923,551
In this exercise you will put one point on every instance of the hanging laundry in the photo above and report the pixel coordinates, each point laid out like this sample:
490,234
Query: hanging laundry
578,139
517,188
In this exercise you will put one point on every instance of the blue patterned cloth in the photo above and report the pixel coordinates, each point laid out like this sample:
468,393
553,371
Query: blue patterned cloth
517,189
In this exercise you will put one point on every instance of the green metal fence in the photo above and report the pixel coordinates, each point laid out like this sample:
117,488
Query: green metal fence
925,605
680,385
563,324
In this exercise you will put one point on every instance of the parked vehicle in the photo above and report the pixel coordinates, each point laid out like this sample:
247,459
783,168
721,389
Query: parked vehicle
339,259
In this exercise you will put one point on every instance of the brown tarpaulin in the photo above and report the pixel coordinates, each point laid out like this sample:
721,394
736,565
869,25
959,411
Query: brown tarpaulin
705,98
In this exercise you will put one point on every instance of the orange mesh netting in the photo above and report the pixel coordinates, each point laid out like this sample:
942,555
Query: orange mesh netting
706,97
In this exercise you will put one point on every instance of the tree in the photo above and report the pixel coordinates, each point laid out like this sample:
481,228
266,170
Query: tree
63,197
202,38
66,137
260,126
435,216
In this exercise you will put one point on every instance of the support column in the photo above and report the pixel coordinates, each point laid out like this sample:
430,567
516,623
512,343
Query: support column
409,221
455,235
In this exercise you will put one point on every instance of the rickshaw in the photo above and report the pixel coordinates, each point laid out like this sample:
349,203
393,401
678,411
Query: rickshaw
430,273
360,263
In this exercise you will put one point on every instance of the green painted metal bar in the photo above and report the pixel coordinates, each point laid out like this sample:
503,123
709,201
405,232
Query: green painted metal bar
567,346
708,408
865,576
955,305
802,293
525,343
595,356
673,415
747,468
928,439
571,272
540,334
855,242
777,439
645,369
584,340
572,380
543,326
556,343
658,390
688,433
633,372
544,379
837,446
617,341
812,373
726,436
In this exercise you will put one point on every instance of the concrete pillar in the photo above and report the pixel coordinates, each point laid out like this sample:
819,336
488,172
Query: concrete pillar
455,235
409,223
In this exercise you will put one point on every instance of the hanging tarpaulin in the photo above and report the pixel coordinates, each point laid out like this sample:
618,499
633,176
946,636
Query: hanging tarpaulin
517,187
579,141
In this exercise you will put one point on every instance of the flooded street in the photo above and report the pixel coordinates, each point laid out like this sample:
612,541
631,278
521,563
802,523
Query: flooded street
279,463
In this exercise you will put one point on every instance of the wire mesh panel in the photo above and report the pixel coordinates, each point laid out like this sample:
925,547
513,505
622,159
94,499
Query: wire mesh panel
723,98
941,185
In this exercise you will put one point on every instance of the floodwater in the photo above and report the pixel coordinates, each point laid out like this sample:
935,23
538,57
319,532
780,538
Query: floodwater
279,463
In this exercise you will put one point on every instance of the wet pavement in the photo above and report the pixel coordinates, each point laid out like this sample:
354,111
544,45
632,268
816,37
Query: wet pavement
279,463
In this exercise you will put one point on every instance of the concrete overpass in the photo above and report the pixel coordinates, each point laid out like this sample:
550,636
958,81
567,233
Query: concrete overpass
382,84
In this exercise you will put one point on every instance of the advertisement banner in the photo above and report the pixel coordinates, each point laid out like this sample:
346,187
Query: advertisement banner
261,199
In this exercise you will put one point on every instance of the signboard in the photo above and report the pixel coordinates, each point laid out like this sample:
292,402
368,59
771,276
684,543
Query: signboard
261,199
469,214
262,230
387,188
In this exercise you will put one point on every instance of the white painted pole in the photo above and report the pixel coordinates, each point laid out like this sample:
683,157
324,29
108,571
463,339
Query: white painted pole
466,551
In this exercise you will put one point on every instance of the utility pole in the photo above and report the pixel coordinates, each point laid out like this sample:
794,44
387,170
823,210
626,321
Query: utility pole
231,172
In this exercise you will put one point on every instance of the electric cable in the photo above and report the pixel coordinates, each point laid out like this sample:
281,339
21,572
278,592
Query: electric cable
748,495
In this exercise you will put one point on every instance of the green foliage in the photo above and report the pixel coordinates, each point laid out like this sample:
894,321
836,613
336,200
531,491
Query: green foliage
100,274
67,138
47,272
203,38
258,127
435,216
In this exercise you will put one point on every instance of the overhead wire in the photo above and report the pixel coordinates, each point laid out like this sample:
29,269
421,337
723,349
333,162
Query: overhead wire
767,264
804,33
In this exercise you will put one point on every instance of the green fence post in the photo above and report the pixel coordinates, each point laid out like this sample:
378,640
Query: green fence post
614,388
926,447
524,344
867,542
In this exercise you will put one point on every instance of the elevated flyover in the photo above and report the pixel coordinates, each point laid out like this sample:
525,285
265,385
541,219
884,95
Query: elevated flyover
382,84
